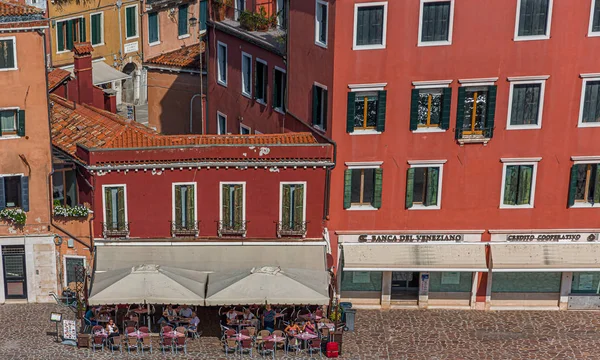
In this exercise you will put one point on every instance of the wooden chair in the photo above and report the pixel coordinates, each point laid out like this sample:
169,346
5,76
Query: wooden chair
146,343
180,343
314,345
166,343
132,343
116,341
246,346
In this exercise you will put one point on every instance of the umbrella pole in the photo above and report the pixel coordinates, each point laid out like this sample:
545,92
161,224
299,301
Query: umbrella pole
148,318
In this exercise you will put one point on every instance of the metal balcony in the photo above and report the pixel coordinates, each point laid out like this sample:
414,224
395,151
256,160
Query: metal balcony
118,229
297,228
190,228
235,228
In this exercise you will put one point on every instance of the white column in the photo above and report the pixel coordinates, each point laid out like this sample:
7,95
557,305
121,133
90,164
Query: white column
386,289
423,290
30,272
488,291
474,290
565,290
2,295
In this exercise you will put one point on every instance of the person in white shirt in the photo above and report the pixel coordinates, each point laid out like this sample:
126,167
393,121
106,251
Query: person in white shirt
249,318
112,330
231,316
194,322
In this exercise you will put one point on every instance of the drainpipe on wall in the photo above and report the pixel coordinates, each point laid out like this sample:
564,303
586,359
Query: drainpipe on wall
119,5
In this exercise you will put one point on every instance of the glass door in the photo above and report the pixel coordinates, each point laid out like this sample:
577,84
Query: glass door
405,285
15,279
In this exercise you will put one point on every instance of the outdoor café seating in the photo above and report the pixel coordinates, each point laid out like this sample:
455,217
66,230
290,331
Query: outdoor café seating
180,343
132,344
117,342
166,343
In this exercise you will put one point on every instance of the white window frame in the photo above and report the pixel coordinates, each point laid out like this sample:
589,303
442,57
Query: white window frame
256,132
431,85
266,85
219,70
15,135
157,42
14,40
362,166
137,22
281,198
523,81
248,56
124,186
534,37
101,13
450,25
384,30
242,126
317,27
65,257
515,162
585,160
56,33
590,32
243,183
280,109
586,78
195,199
358,88
427,164
186,35
219,130
323,115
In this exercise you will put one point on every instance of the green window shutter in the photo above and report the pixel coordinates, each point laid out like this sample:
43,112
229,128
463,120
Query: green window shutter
70,34
491,109
121,207
315,102
225,205
238,202
130,22
25,193
597,185
381,105
2,195
347,189
82,30
191,202
460,112
510,185
410,182
21,123
573,185
203,14
60,34
432,186
377,188
414,110
525,177
446,105
285,204
178,212
350,115
94,25
108,205
182,19
299,202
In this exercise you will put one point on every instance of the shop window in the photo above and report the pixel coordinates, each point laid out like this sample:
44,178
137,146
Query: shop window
476,112
526,282
69,32
370,25
366,111
436,22
430,108
423,187
518,186
8,53
585,283
362,188
14,192
533,19
361,280
450,281
64,187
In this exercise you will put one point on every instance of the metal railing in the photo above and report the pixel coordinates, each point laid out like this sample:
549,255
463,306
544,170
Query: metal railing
119,229
232,228
297,228
484,133
190,228
260,16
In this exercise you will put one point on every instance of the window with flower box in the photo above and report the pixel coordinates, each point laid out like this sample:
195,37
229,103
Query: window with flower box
14,192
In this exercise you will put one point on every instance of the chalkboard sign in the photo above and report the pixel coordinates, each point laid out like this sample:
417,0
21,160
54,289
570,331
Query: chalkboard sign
69,330
130,114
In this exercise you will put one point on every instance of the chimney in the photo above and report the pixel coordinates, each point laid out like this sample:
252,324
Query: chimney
82,54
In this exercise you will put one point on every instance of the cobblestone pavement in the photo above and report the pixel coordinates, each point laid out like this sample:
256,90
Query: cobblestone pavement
26,333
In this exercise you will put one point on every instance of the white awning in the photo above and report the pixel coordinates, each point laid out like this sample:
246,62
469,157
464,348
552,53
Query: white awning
414,257
545,257
102,73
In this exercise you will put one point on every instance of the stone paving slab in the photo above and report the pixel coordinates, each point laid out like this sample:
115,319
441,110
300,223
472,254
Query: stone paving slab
26,333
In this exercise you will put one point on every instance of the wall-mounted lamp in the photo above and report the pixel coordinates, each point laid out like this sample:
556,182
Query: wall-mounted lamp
193,21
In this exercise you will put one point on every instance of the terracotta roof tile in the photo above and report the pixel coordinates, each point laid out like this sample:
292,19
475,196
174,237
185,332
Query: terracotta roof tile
74,124
186,57
10,8
83,48
56,77
23,24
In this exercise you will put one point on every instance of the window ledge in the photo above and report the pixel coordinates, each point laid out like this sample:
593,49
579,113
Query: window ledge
185,36
9,137
262,102
368,47
249,96
131,38
279,110
361,208
423,207
222,83
585,205
528,206
532,38
594,34
473,139
523,127
154,43
434,43
588,124
429,130
365,132
96,45
320,44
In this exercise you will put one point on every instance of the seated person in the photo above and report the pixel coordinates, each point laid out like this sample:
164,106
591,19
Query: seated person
91,317
231,316
249,318
112,330
185,312
194,322
292,329
168,315
309,327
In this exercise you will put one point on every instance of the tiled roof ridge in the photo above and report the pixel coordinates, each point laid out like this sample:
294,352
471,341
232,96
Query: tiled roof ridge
27,9
62,101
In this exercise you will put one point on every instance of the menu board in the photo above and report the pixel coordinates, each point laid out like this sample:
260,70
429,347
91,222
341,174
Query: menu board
69,330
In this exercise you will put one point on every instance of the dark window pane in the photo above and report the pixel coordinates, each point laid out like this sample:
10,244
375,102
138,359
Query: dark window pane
433,110
368,186
222,63
525,104
476,122
591,102
581,180
592,183
419,185
370,99
369,25
7,55
436,21
596,21
280,89
12,191
533,17
71,265
356,185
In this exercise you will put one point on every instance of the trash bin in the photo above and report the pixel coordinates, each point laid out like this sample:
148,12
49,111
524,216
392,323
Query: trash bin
345,306
350,317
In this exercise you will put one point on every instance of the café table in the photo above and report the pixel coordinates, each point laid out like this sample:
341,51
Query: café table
305,336
241,337
321,325
173,334
138,334
313,317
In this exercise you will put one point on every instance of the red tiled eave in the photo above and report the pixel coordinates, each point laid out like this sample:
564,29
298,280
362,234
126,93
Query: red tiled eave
56,77
187,57
10,8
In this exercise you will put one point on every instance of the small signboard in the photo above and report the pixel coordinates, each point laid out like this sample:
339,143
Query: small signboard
56,317
130,112
130,47
69,330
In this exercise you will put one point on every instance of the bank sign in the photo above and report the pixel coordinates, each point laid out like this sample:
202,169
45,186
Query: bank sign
568,237
410,238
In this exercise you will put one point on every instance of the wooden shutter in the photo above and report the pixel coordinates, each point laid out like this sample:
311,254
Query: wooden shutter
130,20
2,194
315,107
377,188
350,114
510,185
82,30
446,105
94,25
573,186
178,212
60,34
121,207
491,109
299,205
433,174
238,201
414,109
525,178
203,14
108,207
191,206
347,189
381,105
285,204
324,99
69,44
25,193
182,20
597,185
410,182
226,200
21,123
460,112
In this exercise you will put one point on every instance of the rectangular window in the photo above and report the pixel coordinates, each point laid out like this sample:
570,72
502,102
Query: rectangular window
476,117
430,109
221,123
97,28
292,208
233,207
526,104
595,19
279,89
533,19
222,63
182,20
246,74
131,19
370,21
321,23
585,185
518,185
585,283
64,187
319,105
69,32
362,188
73,269
184,207
8,54
14,192
261,81
365,110
590,103
435,26
8,122
153,28
423,187
245,130
361,280
115,208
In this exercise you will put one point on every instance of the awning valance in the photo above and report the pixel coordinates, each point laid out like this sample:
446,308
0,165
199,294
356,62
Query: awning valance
102,73
545,257
414,257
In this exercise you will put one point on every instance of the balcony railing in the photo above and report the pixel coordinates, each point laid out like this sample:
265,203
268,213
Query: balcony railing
252,16
297,228
118,229
235,228
190,228
466,136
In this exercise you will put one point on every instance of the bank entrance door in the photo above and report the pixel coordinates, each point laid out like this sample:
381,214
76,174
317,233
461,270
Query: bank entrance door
405,285
15,280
